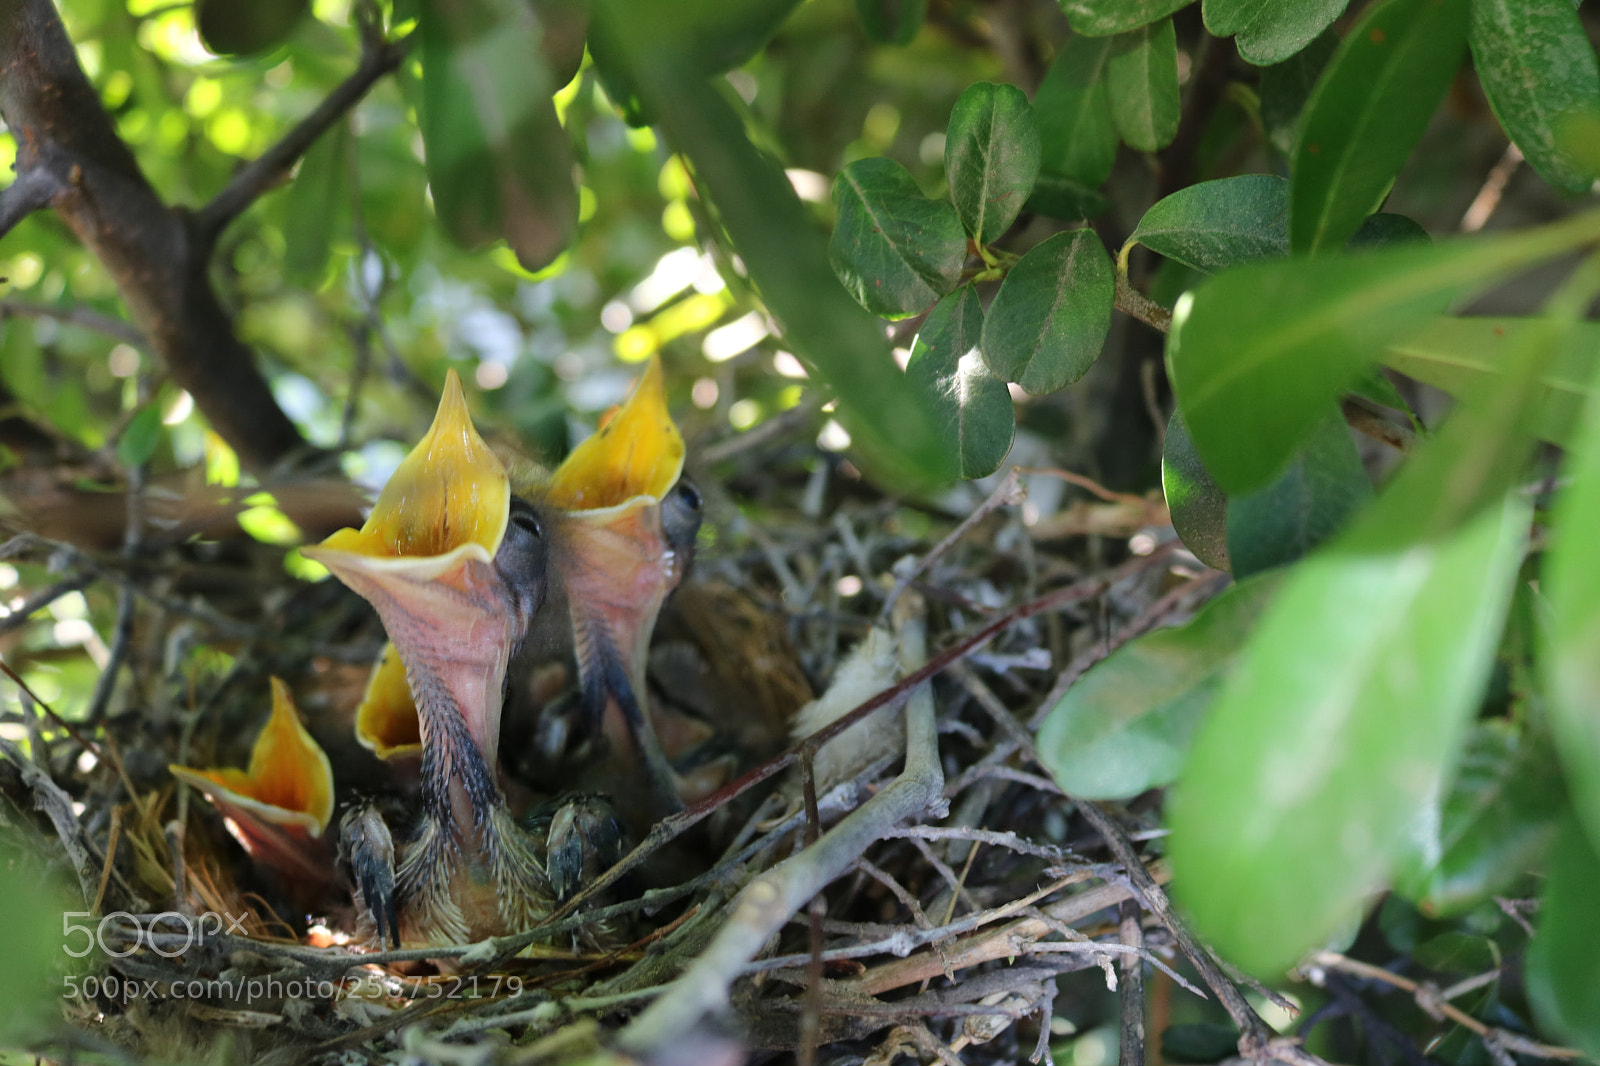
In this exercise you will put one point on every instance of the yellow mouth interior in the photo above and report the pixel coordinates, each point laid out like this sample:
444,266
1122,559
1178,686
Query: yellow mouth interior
449,492
386,722
636,452
289,772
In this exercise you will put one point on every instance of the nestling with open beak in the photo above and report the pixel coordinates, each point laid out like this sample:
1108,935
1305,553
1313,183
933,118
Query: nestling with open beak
456,568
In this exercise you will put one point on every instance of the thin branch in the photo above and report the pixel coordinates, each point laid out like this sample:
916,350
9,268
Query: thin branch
1130,301
272,167
1431,1001
115,328
1364,417
1006,494
1257,1041
33,190
1132,974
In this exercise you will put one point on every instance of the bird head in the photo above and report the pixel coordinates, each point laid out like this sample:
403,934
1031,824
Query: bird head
278,808
455,567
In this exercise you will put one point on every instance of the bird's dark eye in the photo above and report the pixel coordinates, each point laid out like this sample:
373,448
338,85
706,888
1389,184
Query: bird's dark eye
689,495
528,522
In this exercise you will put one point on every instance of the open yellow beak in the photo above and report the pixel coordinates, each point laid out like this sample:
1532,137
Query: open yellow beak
386,721
280,806
447,502
634,458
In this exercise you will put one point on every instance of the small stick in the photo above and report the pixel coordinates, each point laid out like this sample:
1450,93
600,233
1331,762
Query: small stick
1008,493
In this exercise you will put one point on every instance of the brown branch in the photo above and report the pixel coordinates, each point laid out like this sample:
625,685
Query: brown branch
159,256
32,191
82,317
272,167
1130,301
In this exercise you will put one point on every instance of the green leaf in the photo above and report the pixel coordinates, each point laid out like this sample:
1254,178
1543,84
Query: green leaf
231,28
1324,485
1571,658
1367,113
33,979
1387,228
1538,68
141,437
892,21
1064,198
1563,970
1199,508
697,38
1492,825
1331,734
1142,78
1458,354
991,158
1285,88
499,163
1214,225
1270,31
1125,726
1077,138
901,441
1101,18
318,205
1048,322
895,250
1256,354
972,406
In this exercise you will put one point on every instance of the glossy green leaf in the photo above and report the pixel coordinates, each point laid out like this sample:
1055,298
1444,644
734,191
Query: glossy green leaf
499,163
1286,86
1367,113
1538,68
1571,658
1458,354
991,158
1077,137
1270,31
893,249
319,201
1142,78
1125,726
1199,508
1323,486
141,437
777,241
1064,198
1101,18
892,21
1563,970
1490,827
697,38
231,28
1214,225
1048,322
1336,726
973,406
1256,354
1484,448
1386,228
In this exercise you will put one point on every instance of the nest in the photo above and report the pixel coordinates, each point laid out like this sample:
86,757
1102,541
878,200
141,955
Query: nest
919,886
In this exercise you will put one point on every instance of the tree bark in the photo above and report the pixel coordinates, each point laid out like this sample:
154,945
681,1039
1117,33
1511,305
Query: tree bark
66,140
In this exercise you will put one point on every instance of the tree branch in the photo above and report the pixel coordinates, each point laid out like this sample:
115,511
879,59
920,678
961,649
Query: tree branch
33,190
271,168
158,256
